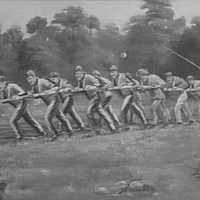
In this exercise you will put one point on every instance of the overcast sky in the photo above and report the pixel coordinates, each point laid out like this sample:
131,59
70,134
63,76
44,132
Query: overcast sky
18,12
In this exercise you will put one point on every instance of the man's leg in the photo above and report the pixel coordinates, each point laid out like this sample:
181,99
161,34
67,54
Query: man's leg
113,115
49,115
33,122
91,111
189,112
125,108
180,106
166,112
65,122
106,117
108,108
68,108
139,112
17,115
155,105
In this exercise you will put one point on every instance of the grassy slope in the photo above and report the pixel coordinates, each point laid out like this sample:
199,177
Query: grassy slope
71,168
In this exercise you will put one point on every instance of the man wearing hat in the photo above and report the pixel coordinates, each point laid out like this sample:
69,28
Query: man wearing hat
89,83
106,96
154,85
53,102
66,98
175,83
191,91
129,103
13,91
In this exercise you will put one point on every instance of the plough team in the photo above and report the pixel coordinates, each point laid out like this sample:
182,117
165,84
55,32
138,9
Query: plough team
98,90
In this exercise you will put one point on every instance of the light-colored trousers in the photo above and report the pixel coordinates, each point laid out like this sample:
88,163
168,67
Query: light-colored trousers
165,111
68,108
95,106
130,105
54,111
108,108
182,107
21,112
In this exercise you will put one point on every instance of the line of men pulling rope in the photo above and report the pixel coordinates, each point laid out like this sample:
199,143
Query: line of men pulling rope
57,94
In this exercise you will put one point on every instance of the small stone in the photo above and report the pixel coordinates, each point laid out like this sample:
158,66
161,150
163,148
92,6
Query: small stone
136,186
101,190
45,172
70,188
156,194
119,187
141,186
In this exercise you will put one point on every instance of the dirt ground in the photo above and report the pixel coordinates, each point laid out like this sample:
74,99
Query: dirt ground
71,168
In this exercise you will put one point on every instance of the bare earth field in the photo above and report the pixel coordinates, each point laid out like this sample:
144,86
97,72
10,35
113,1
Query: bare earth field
71,168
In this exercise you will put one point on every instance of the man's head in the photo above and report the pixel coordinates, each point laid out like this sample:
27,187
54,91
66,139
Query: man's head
31,77
54,76
143,74
79,73
96,73
190,80
169,77
2,82
114,71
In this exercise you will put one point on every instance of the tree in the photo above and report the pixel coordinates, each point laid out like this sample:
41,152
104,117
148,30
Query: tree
36,24
187,45
109,36
147,35
93,23
71,18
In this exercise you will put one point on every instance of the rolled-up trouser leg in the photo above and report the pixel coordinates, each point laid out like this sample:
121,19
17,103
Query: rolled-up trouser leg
165,111
92,109
188,111
75,116
49,115
125,108
108,108
113,116
17,115
155,105
68,108
139,112
33,122
64,121
180,106
106,117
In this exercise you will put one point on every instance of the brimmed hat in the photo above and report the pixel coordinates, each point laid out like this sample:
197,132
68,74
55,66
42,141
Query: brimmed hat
78,68
2,78
190,77
96,72
30,73
54,75
113,68
168,74
142,72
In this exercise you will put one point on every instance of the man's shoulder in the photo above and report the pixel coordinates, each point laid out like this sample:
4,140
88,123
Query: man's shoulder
154,77
43,80
178,78
122,75
197,82
89,75
13,85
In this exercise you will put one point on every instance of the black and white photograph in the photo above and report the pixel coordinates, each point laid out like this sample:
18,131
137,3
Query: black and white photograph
99,99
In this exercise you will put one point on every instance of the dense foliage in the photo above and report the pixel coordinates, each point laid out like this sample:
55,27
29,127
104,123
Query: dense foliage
75,38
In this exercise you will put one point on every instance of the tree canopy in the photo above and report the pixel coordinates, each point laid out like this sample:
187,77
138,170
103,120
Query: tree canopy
74,37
